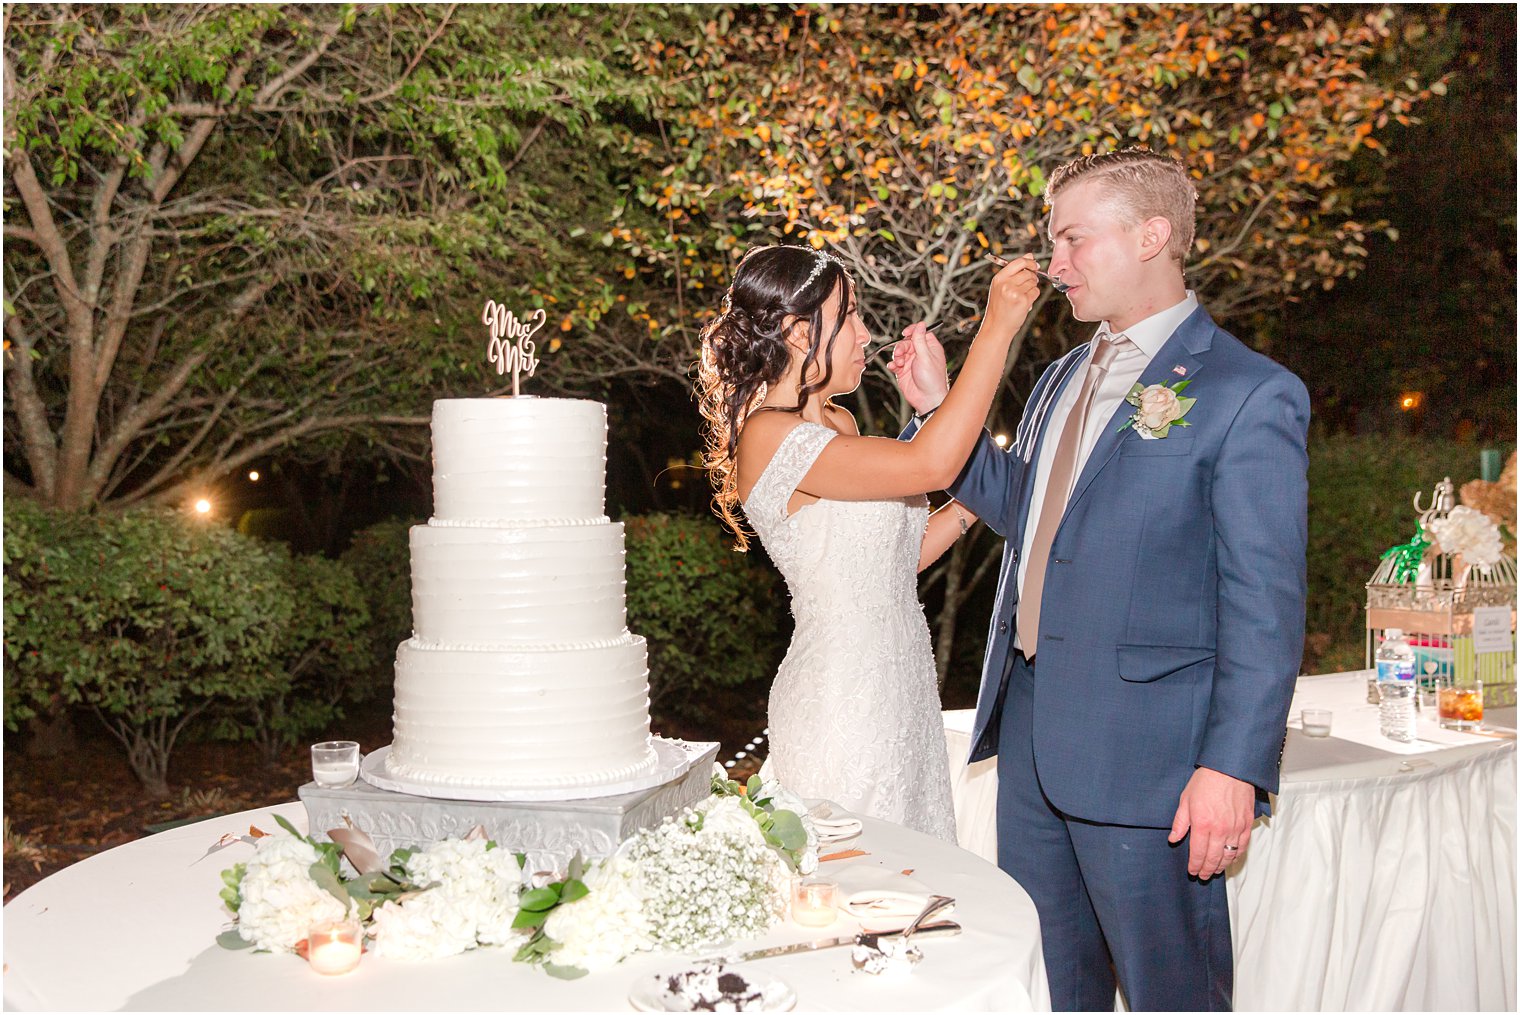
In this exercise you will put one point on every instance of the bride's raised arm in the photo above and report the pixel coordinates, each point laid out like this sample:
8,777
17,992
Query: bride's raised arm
877,468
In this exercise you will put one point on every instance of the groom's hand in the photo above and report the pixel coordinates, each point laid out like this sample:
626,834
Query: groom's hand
1215,811
918,363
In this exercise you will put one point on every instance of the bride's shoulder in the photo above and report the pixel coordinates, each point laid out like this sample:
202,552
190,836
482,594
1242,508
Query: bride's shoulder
841,420
766,431
759,441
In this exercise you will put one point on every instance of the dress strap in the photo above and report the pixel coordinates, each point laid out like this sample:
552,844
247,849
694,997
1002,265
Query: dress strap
798,450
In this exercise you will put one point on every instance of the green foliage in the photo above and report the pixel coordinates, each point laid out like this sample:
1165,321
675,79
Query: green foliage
712,617
145,617
381,558
296,209
1360,503
323,659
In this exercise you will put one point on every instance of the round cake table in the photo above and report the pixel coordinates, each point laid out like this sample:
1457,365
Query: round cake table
135,928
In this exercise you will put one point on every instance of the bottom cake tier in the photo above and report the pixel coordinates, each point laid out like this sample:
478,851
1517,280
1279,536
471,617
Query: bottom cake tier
564,716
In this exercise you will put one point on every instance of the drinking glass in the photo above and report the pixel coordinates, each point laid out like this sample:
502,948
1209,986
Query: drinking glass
1461,708
1317,722
335,763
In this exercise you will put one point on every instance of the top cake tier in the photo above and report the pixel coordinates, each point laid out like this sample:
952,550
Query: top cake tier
519,460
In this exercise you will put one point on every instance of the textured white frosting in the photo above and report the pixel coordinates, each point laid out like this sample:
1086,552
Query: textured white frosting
575,716
522,672
518,459
502,586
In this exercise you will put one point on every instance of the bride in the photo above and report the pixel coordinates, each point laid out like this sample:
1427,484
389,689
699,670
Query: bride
854,710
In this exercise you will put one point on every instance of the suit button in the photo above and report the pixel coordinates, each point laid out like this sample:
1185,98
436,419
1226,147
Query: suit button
1002,627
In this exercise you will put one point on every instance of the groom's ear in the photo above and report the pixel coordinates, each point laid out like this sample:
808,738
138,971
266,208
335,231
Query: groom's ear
1155,234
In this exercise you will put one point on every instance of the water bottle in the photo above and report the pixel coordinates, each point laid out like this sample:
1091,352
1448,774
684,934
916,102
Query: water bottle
1396,687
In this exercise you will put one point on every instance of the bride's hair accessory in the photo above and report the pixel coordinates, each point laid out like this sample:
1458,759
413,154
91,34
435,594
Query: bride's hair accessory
820,262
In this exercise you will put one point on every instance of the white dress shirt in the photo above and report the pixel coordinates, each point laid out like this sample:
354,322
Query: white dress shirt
1145,340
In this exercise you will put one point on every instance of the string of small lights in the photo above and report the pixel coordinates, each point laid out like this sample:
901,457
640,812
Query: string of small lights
749,749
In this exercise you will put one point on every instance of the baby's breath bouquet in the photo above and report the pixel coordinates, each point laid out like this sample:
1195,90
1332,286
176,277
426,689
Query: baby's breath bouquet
718,871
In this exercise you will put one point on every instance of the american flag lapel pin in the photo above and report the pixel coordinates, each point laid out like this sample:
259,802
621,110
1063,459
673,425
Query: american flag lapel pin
1180,370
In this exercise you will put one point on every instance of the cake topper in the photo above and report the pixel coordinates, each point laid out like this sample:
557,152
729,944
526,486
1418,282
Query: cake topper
511,345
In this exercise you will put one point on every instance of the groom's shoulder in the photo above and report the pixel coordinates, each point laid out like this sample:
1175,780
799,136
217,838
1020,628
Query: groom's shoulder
1246,364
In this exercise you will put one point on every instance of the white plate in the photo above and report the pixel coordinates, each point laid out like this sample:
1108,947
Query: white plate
649,992
672,759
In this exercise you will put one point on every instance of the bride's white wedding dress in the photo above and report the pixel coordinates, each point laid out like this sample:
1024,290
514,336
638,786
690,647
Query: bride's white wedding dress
854,712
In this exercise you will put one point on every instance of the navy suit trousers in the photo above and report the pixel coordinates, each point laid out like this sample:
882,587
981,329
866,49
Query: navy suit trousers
1112,899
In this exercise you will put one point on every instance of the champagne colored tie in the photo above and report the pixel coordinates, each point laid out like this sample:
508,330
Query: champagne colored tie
1063,474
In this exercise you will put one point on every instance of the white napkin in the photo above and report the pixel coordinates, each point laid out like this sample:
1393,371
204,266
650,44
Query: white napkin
880,905
833,826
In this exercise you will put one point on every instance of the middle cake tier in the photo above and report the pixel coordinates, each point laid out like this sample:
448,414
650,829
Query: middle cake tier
517,586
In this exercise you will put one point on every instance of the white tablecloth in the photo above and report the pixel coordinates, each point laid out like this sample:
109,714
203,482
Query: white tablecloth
1381,881
134,928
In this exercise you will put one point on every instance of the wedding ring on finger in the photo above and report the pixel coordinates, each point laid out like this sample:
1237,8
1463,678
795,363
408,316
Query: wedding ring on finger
1232,849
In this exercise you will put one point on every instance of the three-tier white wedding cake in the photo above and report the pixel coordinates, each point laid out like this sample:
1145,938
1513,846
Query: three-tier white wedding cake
521,672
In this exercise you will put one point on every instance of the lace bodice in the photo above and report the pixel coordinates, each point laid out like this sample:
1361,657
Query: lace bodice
854,712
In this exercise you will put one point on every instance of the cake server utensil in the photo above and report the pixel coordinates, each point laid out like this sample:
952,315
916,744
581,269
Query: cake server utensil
943,928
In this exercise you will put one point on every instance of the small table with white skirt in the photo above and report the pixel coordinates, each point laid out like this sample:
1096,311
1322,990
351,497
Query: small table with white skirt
1384,879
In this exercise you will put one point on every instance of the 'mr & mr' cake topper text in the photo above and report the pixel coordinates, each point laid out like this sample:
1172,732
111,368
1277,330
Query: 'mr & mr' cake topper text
511,345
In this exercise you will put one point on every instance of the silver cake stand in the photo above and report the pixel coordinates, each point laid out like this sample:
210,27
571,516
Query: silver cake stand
550,825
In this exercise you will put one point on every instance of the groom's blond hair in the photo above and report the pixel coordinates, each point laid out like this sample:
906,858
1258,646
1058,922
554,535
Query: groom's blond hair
1142,184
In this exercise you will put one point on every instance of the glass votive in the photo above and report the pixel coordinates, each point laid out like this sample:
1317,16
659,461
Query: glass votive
815,902
335,763
334,946
1317,722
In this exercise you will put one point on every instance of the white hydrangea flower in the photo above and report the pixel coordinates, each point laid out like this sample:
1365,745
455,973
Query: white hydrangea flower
280,899
473,899
606,925
429,925
1472,534
728,815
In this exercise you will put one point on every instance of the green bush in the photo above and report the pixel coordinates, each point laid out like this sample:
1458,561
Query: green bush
39,549
323,660
1360,503
381,558
146,618
712,617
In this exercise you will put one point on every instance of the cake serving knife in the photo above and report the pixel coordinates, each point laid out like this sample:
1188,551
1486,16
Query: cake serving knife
943,928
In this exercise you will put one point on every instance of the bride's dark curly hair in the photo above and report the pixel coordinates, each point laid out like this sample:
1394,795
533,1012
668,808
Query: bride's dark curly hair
744,351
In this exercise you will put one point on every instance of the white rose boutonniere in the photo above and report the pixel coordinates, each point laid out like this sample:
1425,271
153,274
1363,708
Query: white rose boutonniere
1158,408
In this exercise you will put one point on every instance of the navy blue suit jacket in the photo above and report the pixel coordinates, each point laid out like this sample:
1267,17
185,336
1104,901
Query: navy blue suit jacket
1172,624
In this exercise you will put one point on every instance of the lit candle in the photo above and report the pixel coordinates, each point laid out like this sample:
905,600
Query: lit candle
814,902
334,946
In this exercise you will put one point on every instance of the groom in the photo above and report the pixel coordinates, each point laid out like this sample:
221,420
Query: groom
1149,619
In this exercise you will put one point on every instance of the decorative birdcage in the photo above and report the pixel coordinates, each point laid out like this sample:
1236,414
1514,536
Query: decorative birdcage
1447,606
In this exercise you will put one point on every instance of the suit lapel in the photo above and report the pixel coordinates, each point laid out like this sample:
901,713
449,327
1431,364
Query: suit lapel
1192,338
1074,369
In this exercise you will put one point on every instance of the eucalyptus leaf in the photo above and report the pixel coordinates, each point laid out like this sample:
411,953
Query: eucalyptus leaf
529,918
232,940
539,900
788,831
329,882
564,972
573,889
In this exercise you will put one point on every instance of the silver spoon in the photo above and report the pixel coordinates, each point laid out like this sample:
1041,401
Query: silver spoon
1054,281
936,904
